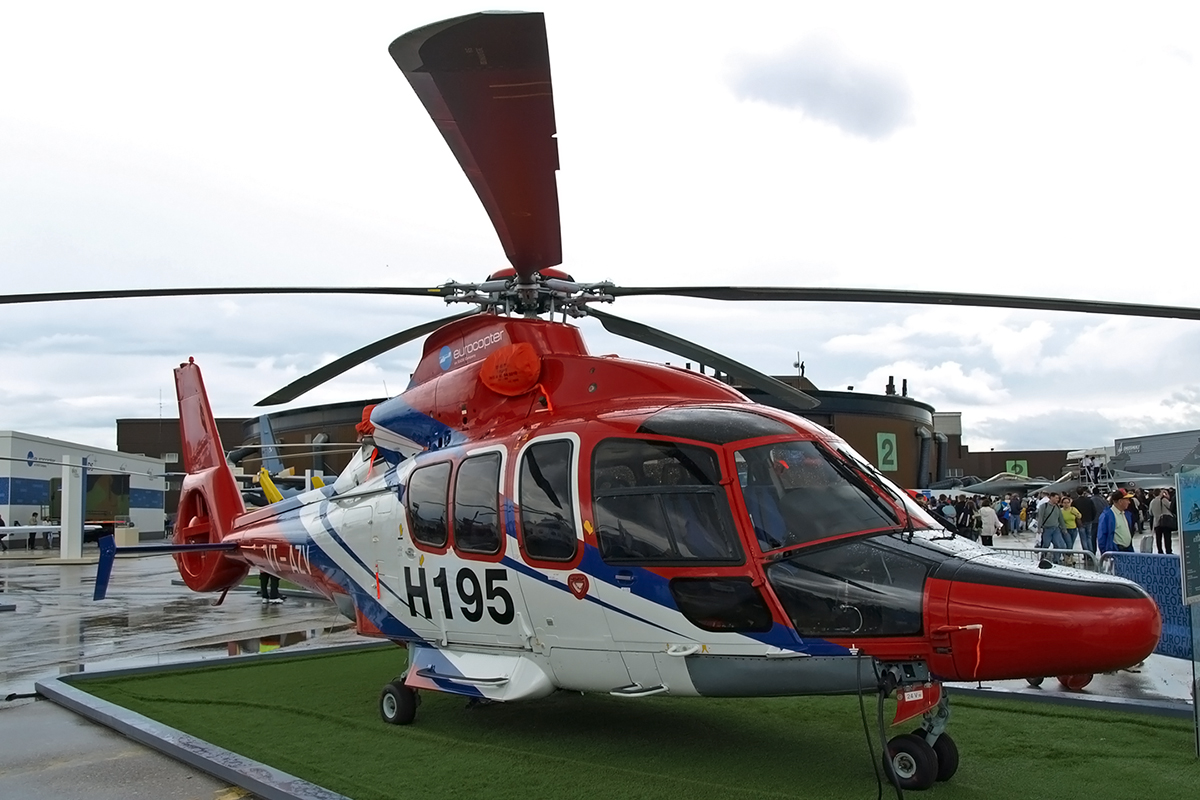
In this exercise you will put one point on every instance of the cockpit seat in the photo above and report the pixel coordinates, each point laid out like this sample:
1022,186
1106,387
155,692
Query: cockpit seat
769,525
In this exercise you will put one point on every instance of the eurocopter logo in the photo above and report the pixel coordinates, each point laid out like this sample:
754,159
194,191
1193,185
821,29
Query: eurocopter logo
448,358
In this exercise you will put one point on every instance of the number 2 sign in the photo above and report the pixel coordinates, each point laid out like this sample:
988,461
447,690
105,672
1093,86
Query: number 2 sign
885,444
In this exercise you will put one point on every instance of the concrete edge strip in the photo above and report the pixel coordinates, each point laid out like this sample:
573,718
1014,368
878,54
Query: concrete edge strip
1162,708
265,781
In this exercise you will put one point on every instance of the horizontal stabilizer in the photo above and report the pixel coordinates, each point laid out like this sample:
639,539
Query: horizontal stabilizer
109,552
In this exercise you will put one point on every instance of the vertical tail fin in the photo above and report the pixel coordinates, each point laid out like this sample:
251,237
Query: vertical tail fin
210,500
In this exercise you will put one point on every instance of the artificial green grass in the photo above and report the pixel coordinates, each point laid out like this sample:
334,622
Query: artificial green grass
317,718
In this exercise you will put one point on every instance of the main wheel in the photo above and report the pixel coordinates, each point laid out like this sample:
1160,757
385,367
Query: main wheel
912,761
1075,682
1035,681
398,704
946,751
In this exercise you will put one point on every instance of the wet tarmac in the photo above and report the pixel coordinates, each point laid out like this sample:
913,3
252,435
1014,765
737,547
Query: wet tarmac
54,628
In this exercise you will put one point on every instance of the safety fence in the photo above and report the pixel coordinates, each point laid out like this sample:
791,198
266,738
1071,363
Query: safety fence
1080,559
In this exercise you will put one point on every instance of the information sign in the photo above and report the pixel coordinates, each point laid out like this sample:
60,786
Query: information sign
1018,467
1187,512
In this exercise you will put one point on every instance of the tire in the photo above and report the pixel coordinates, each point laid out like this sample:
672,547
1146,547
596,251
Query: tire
946,751
1075,683
398,704
1035,682
913,762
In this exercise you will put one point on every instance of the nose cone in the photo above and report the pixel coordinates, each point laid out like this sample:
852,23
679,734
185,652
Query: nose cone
1036,622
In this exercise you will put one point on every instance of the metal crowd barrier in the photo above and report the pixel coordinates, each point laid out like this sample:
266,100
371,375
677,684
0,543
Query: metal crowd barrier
1080,559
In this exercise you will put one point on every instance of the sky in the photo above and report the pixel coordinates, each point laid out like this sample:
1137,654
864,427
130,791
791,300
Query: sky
1016,148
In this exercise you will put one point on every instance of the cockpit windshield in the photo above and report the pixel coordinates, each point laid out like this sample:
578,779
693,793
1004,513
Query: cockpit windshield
798,492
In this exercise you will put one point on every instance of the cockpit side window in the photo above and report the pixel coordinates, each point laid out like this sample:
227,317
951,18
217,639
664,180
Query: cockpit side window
794,494
427,501
658,502
547,512
477,505
859,587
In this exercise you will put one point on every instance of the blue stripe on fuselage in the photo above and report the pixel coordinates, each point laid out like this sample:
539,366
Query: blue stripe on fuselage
323,518
398,417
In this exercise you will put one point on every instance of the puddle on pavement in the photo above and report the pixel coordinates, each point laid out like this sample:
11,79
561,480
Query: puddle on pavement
265,644
22,680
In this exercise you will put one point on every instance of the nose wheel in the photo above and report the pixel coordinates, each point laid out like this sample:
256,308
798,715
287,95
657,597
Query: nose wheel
917,760
911,761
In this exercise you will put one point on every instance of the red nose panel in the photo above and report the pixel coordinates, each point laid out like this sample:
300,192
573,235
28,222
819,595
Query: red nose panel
1029,632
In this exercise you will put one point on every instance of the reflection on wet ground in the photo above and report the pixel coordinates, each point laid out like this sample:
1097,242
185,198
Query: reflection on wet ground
56,628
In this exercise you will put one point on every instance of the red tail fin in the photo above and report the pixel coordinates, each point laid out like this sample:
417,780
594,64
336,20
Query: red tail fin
210,500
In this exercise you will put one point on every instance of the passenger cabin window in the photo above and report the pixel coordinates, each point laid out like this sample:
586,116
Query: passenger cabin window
662,503
796,492
477,505
426,498
547,515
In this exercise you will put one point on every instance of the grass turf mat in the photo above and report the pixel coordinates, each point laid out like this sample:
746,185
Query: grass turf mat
317,718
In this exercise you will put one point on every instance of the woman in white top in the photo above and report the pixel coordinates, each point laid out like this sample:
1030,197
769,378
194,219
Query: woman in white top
989,524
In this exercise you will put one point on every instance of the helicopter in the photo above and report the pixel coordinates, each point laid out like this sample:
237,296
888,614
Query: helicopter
527,517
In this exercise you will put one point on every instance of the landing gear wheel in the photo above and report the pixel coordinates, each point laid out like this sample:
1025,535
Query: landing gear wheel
912,761
1035,682
1075,682
398,704
947,754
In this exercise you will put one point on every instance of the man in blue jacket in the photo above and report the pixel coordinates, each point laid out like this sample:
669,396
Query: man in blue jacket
1115,529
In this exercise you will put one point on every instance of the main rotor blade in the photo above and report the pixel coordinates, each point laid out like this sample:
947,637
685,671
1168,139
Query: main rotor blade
106,294
673,344
831,295
485,80
351,360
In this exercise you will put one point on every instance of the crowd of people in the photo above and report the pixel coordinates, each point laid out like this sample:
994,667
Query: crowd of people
1098,522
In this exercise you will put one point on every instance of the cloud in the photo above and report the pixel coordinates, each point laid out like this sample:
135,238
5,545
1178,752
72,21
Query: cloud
818,78
946,385
1061,429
